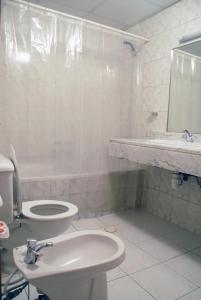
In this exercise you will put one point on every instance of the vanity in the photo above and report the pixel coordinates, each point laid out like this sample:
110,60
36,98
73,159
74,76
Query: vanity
179,148
173,155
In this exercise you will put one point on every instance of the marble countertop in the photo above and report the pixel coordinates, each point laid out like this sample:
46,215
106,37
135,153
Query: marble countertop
163,144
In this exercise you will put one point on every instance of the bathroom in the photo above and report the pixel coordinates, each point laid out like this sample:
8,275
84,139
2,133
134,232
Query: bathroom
100,118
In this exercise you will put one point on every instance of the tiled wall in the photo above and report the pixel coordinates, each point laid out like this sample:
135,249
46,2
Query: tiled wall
180,205
94,194
183,205
164,31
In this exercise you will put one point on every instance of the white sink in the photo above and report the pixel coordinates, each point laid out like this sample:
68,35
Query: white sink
174,155
72,263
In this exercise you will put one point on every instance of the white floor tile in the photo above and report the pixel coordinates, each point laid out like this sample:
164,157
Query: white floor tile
115,273
135,235
116,220
154,225
33,292
126,242
22,296
159,227
161,249
126,289
136,259
127,230
138,226
185,239
84,224
163,283
188,265
195,295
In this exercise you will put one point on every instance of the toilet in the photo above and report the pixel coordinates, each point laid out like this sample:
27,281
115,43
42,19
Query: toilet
39,219
47,218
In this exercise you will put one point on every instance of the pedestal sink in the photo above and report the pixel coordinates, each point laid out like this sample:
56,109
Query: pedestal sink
75,267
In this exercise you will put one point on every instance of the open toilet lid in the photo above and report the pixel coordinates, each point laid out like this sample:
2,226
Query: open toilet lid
16,181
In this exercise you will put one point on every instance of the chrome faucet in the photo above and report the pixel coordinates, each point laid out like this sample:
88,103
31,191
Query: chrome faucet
33,248
188,136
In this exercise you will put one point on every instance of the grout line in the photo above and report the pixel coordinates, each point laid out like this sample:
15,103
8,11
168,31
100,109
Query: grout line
165,260
121,276
99,218
187,294
195,284
141,270
74,226
142,287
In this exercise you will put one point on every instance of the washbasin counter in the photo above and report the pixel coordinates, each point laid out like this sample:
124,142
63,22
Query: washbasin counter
174,155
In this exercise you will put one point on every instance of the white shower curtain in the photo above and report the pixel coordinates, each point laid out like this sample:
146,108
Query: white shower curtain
66,88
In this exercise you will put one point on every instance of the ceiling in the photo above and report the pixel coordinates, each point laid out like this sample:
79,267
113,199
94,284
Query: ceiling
121,14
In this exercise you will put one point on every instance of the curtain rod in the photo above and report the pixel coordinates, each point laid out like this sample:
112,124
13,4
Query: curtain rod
118,31
191,37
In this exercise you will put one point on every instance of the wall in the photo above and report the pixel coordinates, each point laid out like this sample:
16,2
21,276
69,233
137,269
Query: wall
181,206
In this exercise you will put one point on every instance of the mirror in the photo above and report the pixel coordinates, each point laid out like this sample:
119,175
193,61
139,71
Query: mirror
185,89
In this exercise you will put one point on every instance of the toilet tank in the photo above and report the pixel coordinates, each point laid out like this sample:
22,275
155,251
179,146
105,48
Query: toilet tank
6,189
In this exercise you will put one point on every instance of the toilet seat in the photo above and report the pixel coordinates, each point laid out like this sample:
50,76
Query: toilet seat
48,210
45,218
53,210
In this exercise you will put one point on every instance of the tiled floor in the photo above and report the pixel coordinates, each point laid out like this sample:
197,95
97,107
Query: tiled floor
162,261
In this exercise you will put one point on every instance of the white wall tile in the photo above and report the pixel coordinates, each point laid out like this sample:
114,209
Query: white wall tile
165,206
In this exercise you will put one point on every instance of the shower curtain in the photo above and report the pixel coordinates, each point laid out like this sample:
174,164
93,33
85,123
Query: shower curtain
66,89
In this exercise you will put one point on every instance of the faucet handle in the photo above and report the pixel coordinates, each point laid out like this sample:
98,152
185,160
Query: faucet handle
187,132
31,243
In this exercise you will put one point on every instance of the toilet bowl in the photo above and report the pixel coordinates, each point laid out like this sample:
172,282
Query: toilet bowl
75,267
48,218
